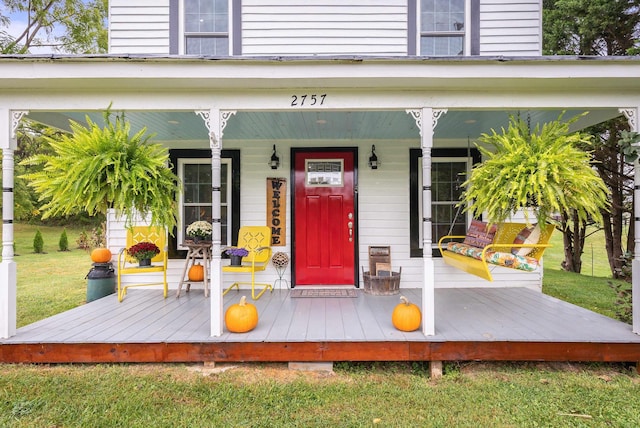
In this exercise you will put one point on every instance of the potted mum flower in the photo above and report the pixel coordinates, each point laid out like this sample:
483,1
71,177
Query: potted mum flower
200,231
236,254
143,252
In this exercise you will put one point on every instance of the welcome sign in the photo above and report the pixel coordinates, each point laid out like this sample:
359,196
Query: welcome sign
277,209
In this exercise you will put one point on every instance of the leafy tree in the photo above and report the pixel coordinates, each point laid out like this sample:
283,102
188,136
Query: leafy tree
71,26
95,169
590,27
598,27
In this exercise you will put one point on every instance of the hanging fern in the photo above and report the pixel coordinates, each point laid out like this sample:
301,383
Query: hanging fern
94,169
544,170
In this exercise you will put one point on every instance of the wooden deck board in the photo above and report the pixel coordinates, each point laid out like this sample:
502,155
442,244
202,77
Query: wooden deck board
471,323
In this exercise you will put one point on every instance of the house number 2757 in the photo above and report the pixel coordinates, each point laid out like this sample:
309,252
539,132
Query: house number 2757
307,100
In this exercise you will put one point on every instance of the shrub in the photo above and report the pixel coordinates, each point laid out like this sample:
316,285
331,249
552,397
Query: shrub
623,305
624,308
38,243
96,239
83,241
63,243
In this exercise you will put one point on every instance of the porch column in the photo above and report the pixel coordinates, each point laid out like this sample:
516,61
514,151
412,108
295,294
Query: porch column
216,120
9,121
632,116
427,119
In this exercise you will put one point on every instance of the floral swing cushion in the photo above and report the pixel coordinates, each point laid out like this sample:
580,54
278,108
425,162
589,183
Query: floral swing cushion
500,258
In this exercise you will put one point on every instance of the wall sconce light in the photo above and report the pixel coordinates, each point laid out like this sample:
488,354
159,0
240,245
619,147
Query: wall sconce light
274,163
373,159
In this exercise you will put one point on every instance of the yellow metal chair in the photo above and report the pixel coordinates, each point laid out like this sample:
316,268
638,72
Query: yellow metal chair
127,265
256,240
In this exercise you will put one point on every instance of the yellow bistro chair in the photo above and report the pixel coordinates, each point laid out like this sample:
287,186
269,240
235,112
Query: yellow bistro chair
256,240
128,265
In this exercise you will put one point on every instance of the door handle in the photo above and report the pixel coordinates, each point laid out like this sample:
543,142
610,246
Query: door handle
350,227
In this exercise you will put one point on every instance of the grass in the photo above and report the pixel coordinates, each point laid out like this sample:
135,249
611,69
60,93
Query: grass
589,289
357,395
52,282
594,258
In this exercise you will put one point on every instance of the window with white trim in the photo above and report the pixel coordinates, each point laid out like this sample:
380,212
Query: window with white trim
442,27
449,169
195,199
206,27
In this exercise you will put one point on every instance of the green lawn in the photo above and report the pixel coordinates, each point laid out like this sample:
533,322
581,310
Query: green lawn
594,258
357,395
52,282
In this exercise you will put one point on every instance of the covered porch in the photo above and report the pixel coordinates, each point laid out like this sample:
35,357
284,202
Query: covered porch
514,324
407,109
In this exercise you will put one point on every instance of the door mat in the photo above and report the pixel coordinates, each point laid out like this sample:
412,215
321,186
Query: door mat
324,292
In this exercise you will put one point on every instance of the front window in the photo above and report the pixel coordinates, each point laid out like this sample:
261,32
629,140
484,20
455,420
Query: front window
442,27
196,195
206,27
449,169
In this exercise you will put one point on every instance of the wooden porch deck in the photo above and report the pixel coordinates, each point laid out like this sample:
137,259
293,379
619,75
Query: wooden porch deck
471,324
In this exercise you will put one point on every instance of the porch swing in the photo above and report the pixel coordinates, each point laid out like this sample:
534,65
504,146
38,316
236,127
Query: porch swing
485,246
510,245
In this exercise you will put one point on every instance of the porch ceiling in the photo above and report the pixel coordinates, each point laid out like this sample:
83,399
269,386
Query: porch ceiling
175,128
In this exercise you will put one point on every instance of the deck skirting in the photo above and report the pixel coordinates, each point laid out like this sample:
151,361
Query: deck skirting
317,352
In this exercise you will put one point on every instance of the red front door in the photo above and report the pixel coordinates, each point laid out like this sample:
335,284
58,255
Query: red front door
325,218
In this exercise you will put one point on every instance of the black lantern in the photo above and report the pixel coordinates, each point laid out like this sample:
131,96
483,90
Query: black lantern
373,159
275,160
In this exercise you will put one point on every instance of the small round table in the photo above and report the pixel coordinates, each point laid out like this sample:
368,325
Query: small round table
196,251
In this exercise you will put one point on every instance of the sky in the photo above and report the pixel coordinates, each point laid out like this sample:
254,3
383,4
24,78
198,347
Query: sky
17,26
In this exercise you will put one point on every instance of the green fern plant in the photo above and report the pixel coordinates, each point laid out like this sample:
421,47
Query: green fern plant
96,168
544,170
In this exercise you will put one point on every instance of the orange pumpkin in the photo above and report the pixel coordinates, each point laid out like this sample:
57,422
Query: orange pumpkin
101,255
196,272
406,316
241,317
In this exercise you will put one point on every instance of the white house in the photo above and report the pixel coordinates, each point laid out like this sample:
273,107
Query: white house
322,85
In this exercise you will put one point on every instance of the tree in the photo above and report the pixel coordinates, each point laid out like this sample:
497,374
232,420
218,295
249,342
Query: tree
70,26
598,27
590,27
95,169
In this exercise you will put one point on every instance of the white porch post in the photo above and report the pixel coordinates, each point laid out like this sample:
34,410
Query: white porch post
427,119
632,116
215,121
9,121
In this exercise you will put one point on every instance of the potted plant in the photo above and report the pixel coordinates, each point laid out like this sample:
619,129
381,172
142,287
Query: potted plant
143,252
95,168
199,231
236,254
546,171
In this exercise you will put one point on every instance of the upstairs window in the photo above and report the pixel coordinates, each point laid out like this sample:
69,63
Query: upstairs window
206,27
442,27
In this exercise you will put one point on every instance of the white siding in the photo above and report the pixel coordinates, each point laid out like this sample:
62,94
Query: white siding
139,27
324,27
383,213
511,27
